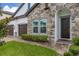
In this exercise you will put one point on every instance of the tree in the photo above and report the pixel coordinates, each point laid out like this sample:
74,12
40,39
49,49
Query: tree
3,27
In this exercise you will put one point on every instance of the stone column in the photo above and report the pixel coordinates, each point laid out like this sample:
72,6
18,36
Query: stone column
51,30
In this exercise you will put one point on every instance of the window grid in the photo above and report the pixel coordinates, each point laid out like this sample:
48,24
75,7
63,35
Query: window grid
39,26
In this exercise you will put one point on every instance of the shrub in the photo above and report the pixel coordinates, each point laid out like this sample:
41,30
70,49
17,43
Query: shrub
68,54
34,37
74,49
26,37
75,41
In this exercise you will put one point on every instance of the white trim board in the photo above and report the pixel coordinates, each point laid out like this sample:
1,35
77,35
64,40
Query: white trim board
58,27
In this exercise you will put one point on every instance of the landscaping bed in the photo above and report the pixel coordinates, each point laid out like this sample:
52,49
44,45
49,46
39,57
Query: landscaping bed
74,48
36,38
14,48
40,39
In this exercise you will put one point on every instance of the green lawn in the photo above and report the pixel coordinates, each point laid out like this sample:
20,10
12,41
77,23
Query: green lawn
14,48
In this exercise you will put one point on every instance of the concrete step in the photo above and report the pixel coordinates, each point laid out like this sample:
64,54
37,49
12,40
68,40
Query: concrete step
62,45
64,41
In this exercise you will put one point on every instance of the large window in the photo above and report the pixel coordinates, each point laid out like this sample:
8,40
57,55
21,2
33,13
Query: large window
39,26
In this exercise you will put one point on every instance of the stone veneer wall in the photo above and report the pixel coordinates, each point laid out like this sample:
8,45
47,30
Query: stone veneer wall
75,29
40,12
75,20
49,14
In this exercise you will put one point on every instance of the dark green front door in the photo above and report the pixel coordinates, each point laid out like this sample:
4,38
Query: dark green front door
65,27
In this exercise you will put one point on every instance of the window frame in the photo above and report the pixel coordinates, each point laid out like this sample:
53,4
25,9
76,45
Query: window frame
35,26
39,26
43,26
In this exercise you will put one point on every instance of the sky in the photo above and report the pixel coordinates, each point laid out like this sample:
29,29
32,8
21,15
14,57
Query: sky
11,7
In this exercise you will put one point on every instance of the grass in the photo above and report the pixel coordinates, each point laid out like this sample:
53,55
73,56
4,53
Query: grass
14,48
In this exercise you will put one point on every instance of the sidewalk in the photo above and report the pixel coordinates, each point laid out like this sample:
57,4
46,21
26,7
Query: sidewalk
10,38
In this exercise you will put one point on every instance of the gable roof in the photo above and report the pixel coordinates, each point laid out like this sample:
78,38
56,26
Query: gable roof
18,9
27,12
32,8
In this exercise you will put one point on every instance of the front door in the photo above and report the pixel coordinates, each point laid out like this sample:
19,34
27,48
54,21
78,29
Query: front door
65,27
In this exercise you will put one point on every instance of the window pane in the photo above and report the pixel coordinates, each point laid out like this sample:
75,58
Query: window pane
35,29
42,23
43,29
35,23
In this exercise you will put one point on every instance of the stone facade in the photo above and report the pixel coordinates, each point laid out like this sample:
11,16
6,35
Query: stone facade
49,14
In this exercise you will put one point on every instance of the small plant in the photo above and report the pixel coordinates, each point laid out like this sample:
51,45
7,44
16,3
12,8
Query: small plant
34,37
75,41
74,49
68,54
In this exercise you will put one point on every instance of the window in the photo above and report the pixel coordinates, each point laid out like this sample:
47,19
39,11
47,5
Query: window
35,26
39,26
43,26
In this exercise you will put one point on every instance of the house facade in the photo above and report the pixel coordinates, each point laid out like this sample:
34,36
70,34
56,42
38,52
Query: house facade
58,21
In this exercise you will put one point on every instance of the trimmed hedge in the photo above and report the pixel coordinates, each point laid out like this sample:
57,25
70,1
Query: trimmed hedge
75,41
74,49
68,54
34,37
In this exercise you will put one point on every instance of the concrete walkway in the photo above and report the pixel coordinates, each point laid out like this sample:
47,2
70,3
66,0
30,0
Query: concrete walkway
10,38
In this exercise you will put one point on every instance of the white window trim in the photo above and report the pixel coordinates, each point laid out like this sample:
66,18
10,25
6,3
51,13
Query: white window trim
39,33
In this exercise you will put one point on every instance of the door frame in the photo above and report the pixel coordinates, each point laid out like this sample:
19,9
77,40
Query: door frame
58,30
